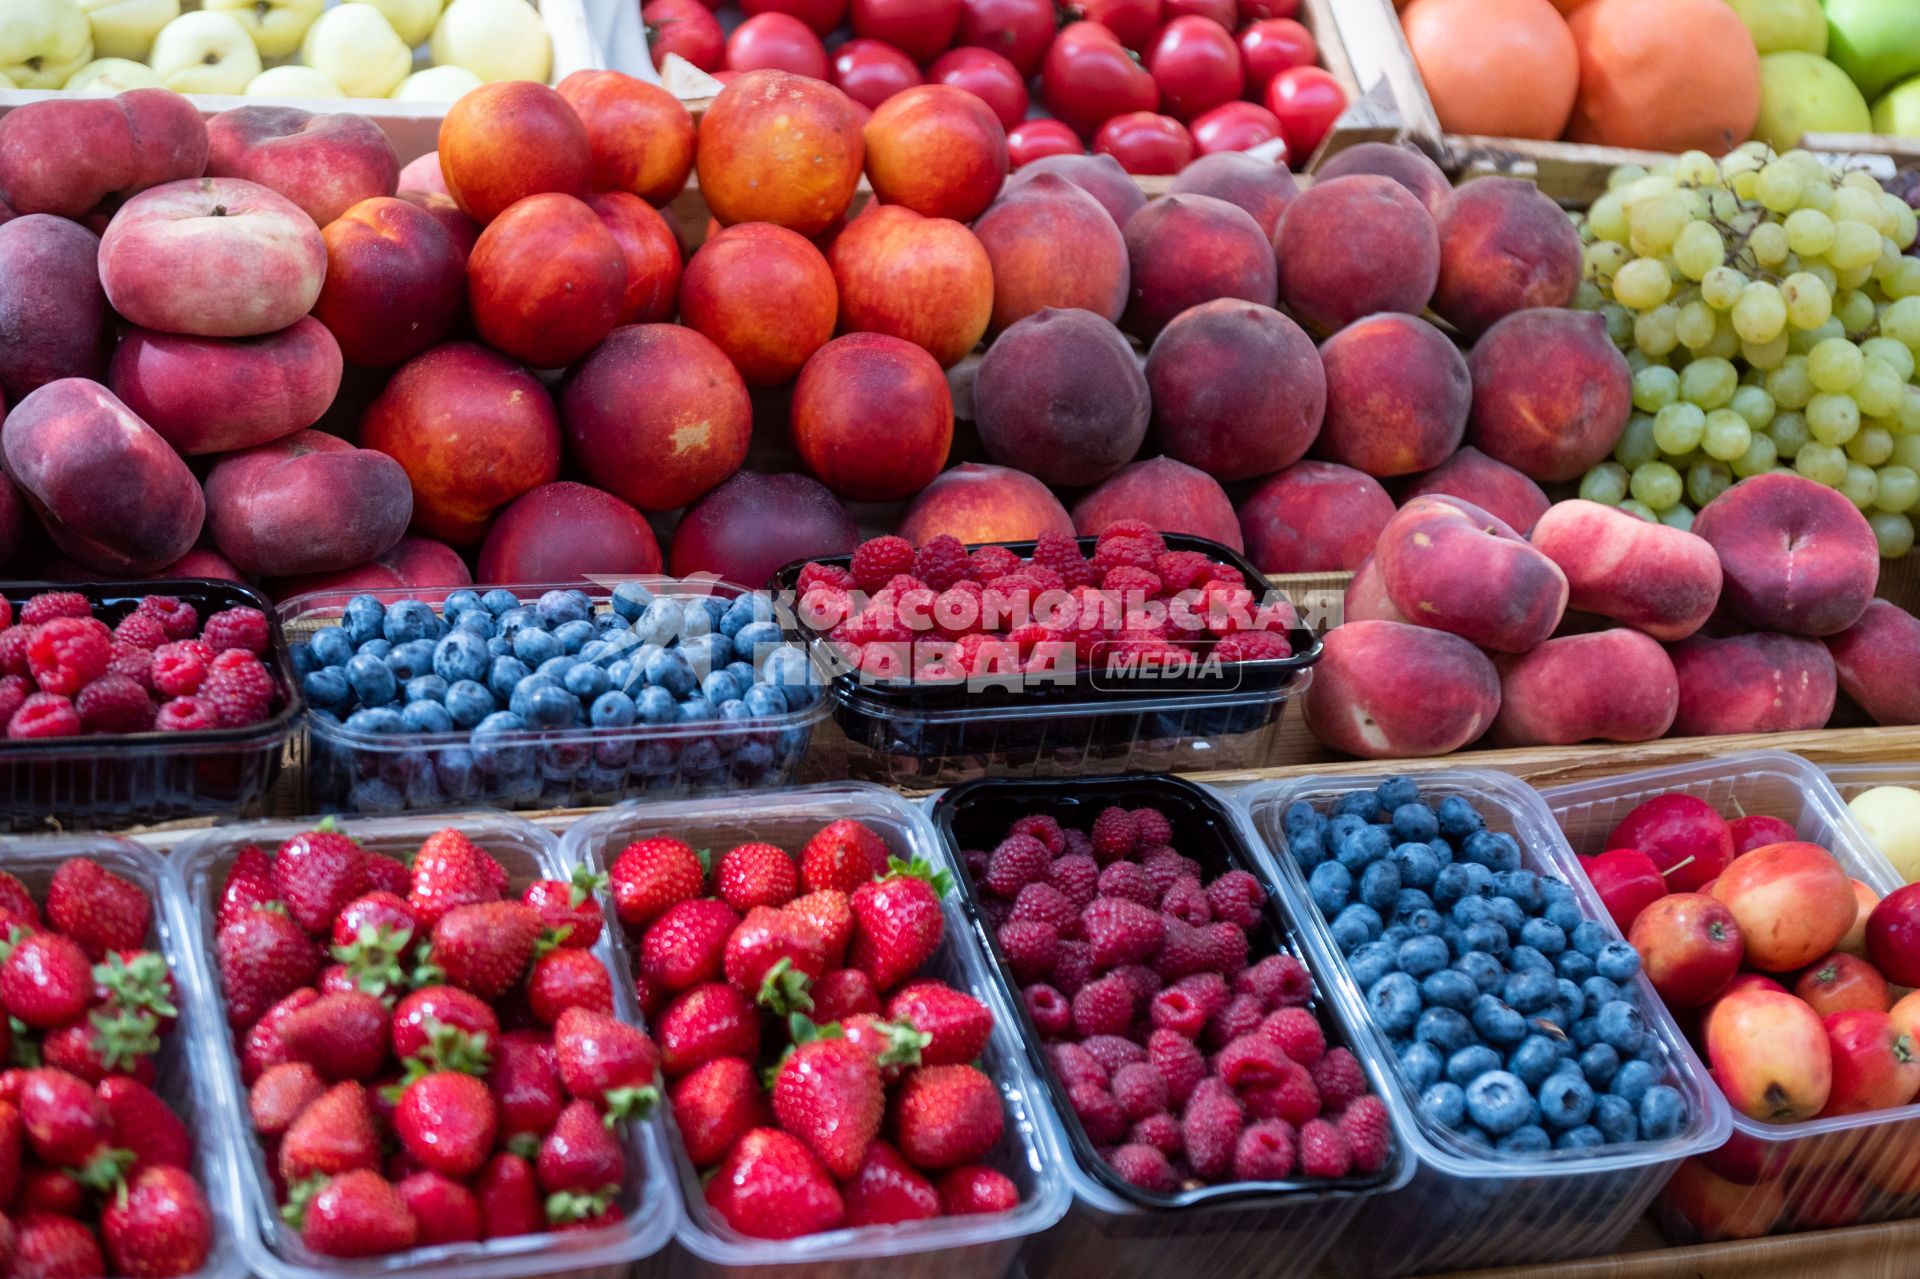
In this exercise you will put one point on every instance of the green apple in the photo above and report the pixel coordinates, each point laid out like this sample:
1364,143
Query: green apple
126,28
205,52
1899,111
112,75
412,19
292,81
438,84
355,46
1877,42
42,42
494,39
277,26
1803,93
1778,25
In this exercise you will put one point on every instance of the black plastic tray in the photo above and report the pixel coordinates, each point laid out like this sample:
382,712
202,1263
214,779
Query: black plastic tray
977,815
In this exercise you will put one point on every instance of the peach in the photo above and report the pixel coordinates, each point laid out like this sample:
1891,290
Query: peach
656,415
307,503
1452,566
508,140
1061,396
1170,495
1504,247
473,431
1183,250
781,148
1314,517
1611,686
1490,485
872,417
214,257
1798,556
1405,165
1100,176
753,525
1262,188
938,150
563,531
417,564
1366,598
765,296
1792,901
324,163
214,395
1713,1208
641,135
925,280
546,281
1385,690
107,148
202,562
1876,659
1355,246
464,230
1052,245
13,525
1760,683
53,314
1656,579
980,503
1769,1054
650,252
107,488
1398,394
422,174
396,281
1551,393
1237,389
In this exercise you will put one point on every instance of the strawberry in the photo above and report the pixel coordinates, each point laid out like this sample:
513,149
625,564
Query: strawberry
606,1062
650,875
44,1189
45,979
159,1226
51,1246
388,875
773,956
413,1018
770,1186
756,875
280,1094
828,1094
509,1198
317,873
976,1188
264,956
706,1023
568,978
485,948
830,911
451,870
357,1214
715,1105
843,855
444,1210
97,908
263,1047
13,1135
342,1036
957,1024
842,993
446,1121
571,909
66,1123
525,1082
371,937
333,1135
137,981
145,1125
377,909
894,1046
579,1156
886,1189
15,900
103,1043
687,944
946,1115
897,922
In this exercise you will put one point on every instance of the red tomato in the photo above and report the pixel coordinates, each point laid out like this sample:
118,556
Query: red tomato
1134,21
870,72
1307,101
1235,126
1020,30
1273,45
1197,66
820,15
988,77
1088,79
1144,142
778,41
921,29
1032,140
1223,13
1257,10
686,28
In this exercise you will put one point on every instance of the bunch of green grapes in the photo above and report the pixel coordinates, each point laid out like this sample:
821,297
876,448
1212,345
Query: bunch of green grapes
1771,317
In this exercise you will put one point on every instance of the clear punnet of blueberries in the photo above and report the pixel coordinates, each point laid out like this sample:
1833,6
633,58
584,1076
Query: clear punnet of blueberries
1513,1015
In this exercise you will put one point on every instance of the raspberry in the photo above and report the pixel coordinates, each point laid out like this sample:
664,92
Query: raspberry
1122,552
821,608
1045,829
1128,881
135,663
1297,1033
1156,831
1340,1080
1017,862
1138,1088
1181,950
1134,586
115,704
1141,980
1162,1132
1211,1127
941,562
1367,1132
900,585
1323,1151
1131,528
1099,1113
13,649
1281,981
45,715
186,715
1030,947
1047,904
1052,1014
6,612
14,690
142,630
975,862
1178,570
996,912
990,562
179,618
237,628
1076,1066
1253,646
1113,1052
1116,833
1187,901
1289,1094
1073,967
1264,1151
1103,1007
1120,931
1240,1015
1076,877
1077,843
68,653
1224,948
1145,1167
818,574
48,605
1185,1008
1180,1064
877,560
241,690
1164,868
180,668
1061,554
1236,897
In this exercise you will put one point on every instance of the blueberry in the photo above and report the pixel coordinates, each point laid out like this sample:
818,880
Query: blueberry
534,646
720,687
1362,848
1498,1102
1419,868
426,688
765,701
426,717
1370,962
1343,826
1450,988
1451,885
789,670
1355,927
612,710
1523,886
1488,937
1442,851
586,682
1380,886
1529,1139
1566,1100
1458,820
378,647
558,607
1544,938
1496,850
1573,966
1426,923
376,719
1363,804
1554,889
1565,915
668,669
1590,937
630,599
1445,1103
1421,1063
573,636
327,687
1633,1079
1599,1064
1598,991
1617,962
1445,1028
1330,885
1396,792
1498,1022
1395,1003
372,680
409,620
753,640
1422,955
751,607
1662,1113
656,706
1585,1137
1479,880
1507,914
695,710
1487,974
1570,998
1410,902
415,657
520,702
499,601
659,622
550,706
1527,959
499,646
1469,911
1414,823
1622,1026
468,702
1585,1032
1616,1118
331,646
1530,990
1300,817
460,655
1470,1063
505,675
1396,934
362,617
1533,1060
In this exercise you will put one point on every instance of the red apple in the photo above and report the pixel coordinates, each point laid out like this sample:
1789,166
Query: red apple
1839,982
1893,936
1769,1053
1713,1207
1628,881
1855,942
1686,838
1875,1065
1749,1160
1689,947
1793,902
1758,831
1829,1202
1906,1015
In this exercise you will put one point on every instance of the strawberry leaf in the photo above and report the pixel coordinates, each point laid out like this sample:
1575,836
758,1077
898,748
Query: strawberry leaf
919,868
564,1207
299,1195
139,985
23,1051
904,1044
105,1170
630,1103
372,958
586,884
122,1038
785,988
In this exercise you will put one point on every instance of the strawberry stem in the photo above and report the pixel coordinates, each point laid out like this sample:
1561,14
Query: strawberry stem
564,1207
630,1103
785,989
586,884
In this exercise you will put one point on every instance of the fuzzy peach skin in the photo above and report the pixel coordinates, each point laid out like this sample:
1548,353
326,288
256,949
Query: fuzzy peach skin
1878,660
1356,246
215,395
980,503
1061,396
1551,393
1798,556
1264,189
1170,495
309,503
1385,690
1504,246
1656,579
1052,245
1397,395
1760,683
66,155
1238,389
563,531
1404,164
107,488
1452,566
324,163
1183,250
1366,598
1314,517
1100,176
1610,686
53,314
418,564
213,257
1490,485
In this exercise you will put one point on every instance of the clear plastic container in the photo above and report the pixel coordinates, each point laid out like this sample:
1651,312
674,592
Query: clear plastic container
1771,1178
1266,1229
273,1250
982,1247
101,781
1851,779
1468,1206
181,1077
351,771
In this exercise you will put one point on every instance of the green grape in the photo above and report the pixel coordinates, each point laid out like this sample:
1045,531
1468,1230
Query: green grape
1789,433
1707,480
1588,297
1721,287
1633,506
1856,203
1893,532
1818,196
1642,284
1895,355
1789,384
1695,168
1809,304
1655,387
1698,250
1761,313
1695,325
1860,486
1753,404
1904,223
1724,344
1805,340
1879,390
1603,258
1899,489
1809,232
1854,310
1635,446
1678,428
1608,218
1605,483
1872,446
1636,358
1709,382
1779,188
1656,485
1678,517
1746,184
1640,184
1625,176
1767,355
1722,205
1727,435
1835,365
1907,421
1903,281
1768,244
1906,451
1656,332
1619,323
1902,321
1653,223
1853,277
1833,419
1760,457
1822,463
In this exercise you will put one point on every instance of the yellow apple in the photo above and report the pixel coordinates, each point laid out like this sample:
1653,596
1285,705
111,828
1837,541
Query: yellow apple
355,46
412,19
1899,111
112,75
1779,25
438,84
202,52
42,42
1803,93
277,26
292,82
6,83
1891,816
494,39
125,28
